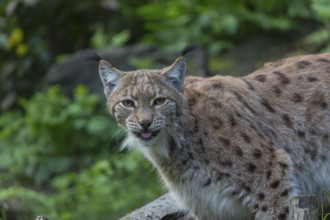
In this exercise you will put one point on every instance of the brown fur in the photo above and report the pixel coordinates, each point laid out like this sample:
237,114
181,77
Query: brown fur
232,148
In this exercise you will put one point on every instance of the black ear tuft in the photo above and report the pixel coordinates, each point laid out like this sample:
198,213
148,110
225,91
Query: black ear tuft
92,57
189,48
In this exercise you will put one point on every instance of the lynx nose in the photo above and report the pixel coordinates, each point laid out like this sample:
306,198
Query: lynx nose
145,124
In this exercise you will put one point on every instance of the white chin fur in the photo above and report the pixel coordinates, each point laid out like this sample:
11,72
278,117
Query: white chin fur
158,143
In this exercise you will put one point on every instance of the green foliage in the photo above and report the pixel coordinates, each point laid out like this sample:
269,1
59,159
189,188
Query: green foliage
52,130
100,39
56,155
28,46
32,201
321,37
107,190
217,24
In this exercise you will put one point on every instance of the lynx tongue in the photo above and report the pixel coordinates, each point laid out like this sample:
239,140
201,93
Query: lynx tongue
146,134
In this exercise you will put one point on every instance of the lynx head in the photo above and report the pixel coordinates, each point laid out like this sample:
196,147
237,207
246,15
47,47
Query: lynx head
145,102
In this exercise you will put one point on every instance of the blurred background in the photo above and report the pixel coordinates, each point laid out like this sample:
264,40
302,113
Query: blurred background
59,148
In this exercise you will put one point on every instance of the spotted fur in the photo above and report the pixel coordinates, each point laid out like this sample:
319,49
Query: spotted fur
231,148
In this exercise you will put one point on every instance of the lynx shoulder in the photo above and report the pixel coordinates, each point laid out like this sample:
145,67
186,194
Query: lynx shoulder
226,147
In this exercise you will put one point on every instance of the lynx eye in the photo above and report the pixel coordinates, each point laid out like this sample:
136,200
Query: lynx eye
128,103
159,101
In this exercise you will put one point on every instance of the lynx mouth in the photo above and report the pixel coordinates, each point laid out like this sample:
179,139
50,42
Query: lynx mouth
146,135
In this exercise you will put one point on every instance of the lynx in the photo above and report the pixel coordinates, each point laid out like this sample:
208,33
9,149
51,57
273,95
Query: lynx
230,147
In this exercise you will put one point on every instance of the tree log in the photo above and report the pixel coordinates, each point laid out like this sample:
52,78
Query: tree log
304,208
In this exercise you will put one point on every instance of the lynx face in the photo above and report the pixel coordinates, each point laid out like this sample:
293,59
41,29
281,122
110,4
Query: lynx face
145,102
146,117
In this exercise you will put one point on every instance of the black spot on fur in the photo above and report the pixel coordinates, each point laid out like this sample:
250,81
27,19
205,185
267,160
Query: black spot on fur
225,174
216,85
282,216
297,98
261,196
224,140
277,91
299,167
323,158
250,86
207,182
284,166
195,167
238,114
264,208
311,79
238,151
303,64
324,105
285,193
195,128
253,127
238,96
214,102
261,78
287,149
191,156
281,77
301,134
325,136
221,175
251,167
265,103
216,122
268,174
200,142
257,154
312,131
240,99
247,188
232,121
172,144
234,193
246,138
313,154
228,163
192,101
306,151
275,184
287,120
250,108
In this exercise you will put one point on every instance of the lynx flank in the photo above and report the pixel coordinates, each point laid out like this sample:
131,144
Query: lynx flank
226,147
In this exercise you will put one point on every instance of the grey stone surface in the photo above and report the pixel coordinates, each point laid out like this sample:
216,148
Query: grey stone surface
154,210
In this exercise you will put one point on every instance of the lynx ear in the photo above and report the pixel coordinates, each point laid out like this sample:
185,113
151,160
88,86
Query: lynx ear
109,77
174,75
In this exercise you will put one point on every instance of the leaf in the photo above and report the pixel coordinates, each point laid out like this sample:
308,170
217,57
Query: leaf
99,39
322,8
120,39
